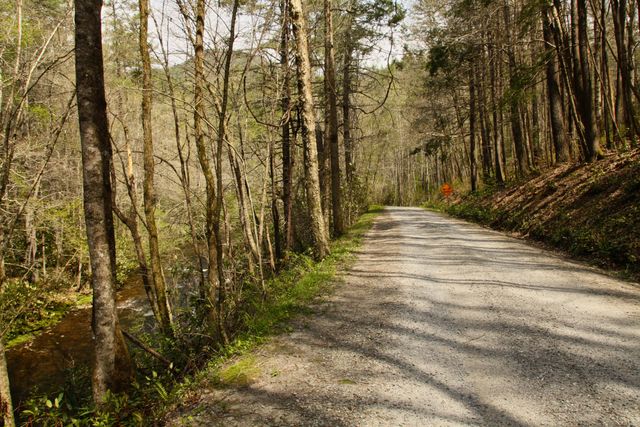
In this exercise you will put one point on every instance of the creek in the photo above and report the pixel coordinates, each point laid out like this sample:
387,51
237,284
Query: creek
46,363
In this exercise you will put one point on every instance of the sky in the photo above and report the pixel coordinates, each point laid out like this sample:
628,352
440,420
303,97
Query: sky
217,19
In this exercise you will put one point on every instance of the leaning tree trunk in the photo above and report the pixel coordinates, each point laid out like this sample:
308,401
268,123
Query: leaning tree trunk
158,280
111,364
312,180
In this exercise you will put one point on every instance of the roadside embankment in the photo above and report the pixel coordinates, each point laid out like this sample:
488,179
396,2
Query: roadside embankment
591,211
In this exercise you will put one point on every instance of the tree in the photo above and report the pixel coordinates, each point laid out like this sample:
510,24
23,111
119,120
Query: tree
111,364
332,112
6,407
556,112
157,274
584,84
473,162
308,125
287,152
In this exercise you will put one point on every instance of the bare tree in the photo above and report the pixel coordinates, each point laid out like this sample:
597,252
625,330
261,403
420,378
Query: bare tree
305,98
111,364
332,122
158,280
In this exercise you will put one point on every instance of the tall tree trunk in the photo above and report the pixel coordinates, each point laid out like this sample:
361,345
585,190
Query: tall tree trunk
346,106
485,121
275,213
514,104
556,114
584,84
157,274
287,152
130,220
222,135
536,143
619,9
111,364
610,120
497,131
312,182
199,118
244,213
473,163
332,129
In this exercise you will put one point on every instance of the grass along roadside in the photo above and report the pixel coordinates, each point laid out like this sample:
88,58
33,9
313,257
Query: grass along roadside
156,394
291,293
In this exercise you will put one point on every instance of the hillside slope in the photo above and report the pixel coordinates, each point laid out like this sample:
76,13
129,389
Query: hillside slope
589,210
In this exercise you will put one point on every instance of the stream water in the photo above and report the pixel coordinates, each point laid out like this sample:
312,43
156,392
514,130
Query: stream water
43,364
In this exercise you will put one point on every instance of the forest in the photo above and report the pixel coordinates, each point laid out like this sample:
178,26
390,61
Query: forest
203,150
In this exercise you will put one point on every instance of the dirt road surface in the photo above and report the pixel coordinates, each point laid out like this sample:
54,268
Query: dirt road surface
441,322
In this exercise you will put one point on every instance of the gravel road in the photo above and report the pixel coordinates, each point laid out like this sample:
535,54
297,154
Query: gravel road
441,322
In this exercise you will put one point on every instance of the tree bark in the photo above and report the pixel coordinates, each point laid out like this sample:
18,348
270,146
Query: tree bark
287,152
222,123
484,117
619,9
111,364
157,274
6,407
199,118
473,163
584,85
312,181
332,129
556,113
497,132
514,104
346,109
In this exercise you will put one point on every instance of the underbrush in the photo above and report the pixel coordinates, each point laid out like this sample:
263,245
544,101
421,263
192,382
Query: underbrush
159,388
591,211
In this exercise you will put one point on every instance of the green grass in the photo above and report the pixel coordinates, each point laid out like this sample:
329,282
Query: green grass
292,290
241,373
290,294
21,339
84,299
